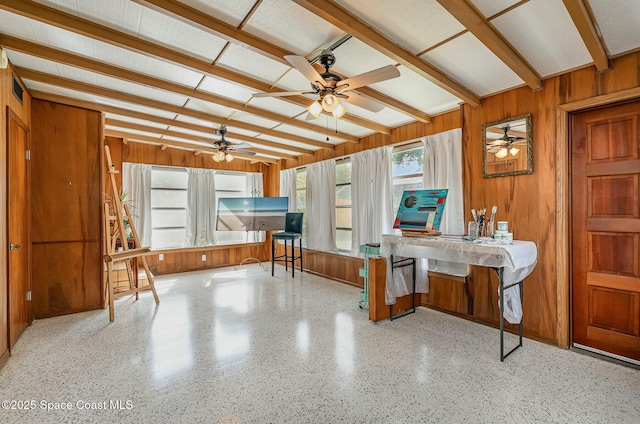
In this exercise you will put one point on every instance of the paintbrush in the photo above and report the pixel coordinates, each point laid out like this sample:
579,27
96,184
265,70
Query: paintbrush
494,209
475,215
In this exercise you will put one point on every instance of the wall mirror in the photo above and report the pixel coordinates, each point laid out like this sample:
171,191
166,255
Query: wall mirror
507,147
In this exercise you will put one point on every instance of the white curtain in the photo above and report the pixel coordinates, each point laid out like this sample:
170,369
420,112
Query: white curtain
201,208
288,187
321,206
443,169
371,197
255,189
136,184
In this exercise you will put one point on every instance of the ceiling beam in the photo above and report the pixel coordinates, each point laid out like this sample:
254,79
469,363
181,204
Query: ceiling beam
51,16
172,133
126,75
130,98
230,33
159,120
340,17
483,31
177,144
584,24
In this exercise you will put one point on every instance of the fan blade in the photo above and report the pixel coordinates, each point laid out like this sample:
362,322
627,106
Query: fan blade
282,94
242,146
244,152
498,142
371,77
362,102
304,67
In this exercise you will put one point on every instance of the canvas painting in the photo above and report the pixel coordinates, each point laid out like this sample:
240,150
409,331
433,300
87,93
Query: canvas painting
251,213
421,209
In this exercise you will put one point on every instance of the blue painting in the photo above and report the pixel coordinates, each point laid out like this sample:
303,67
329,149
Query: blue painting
421,209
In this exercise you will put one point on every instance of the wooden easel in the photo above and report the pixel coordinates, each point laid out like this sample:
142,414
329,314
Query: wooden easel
114,218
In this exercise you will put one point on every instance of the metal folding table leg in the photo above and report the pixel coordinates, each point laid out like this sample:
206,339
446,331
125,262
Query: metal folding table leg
502,289
400,264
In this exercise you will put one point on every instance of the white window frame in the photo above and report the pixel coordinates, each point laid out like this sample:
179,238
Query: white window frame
350,206
155,227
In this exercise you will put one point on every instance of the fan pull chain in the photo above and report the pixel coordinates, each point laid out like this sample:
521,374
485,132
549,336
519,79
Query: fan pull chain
327,127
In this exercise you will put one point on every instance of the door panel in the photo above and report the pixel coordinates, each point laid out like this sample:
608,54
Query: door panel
605,173
17,142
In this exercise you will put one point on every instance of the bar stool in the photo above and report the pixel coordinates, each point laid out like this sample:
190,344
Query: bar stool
292,231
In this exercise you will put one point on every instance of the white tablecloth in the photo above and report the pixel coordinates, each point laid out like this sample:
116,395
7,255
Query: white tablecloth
517,259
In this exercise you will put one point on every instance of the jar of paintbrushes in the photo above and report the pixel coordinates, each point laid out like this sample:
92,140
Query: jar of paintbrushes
483,225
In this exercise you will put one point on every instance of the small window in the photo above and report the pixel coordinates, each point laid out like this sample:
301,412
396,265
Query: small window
408,167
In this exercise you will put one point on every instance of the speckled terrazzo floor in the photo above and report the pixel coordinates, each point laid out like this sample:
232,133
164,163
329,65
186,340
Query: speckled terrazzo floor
229,346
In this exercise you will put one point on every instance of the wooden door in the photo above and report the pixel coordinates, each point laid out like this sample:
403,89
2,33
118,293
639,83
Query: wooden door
605,172
17,142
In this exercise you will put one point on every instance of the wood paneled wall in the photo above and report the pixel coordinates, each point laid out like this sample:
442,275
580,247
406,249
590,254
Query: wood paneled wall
528,202
23,111
335,266
66,163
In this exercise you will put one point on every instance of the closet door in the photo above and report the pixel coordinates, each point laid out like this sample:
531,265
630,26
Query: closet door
605,172
19,282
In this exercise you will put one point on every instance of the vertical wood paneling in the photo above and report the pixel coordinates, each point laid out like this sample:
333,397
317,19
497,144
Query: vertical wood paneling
332,265
66,209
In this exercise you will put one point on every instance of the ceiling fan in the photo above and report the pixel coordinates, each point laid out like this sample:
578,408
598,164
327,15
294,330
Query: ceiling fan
331,87
505,144
225,148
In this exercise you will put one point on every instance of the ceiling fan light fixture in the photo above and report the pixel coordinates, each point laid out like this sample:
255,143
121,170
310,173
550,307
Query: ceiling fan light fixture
229,157
315,108
339,111
330,103
514,151
502,153
218,156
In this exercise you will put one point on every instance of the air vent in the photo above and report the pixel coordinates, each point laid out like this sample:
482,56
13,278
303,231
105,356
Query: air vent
18,91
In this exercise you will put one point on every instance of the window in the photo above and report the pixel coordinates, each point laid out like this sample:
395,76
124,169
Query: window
231,185
301,200
408,167
343,205
168,207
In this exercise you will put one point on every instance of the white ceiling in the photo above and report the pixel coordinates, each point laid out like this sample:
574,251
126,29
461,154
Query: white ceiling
200,67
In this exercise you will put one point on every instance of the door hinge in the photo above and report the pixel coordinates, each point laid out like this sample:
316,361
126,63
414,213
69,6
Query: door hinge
28,154
29,296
